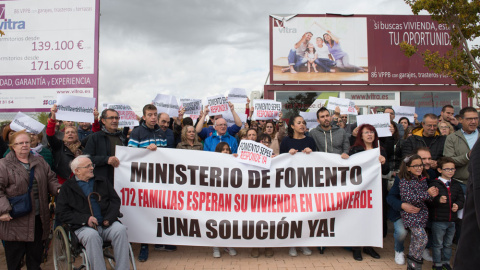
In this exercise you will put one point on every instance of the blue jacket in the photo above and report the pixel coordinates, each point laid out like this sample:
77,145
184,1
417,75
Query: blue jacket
143,136
212,141
209,131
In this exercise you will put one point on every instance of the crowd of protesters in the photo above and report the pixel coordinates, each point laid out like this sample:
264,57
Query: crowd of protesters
427,160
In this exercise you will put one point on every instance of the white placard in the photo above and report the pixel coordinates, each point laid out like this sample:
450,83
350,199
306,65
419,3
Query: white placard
193,106
346,105
75,108
381,122
228,116
404,111
217,105
310,118
265,109
253,153
237,95
23,121
166,104
128,117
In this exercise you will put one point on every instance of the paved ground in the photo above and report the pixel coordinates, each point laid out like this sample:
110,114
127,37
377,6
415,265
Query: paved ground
201,258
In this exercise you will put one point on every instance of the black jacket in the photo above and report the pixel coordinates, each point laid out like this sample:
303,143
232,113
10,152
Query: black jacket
72,205
62,156
416,141
385,166
98,147
442,212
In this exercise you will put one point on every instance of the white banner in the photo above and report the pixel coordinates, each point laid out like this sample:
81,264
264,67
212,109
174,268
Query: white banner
197,198
346,105
192,106
217,105
381,122
310,118
75,108
404,111
128,117
23,121
237,95
253,153
166,104
265,109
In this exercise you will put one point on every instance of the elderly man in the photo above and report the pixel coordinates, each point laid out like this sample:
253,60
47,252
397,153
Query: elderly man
101,225
203,133
220,135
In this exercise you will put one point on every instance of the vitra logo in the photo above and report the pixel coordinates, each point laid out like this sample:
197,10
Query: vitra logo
277,23
280,25
2,11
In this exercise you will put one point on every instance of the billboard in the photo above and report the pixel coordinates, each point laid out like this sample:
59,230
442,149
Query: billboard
355,49
50,47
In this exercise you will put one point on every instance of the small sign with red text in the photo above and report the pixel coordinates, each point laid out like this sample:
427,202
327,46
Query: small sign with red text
254,153
217,105
265,109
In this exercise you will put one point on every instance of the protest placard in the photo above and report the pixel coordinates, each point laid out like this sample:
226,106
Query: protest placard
197,198
192,106
75,108
217,105
265,109
253,153
310,118
381,122
228,116
166,104
346,105
23,121
404,111
128,118
237,95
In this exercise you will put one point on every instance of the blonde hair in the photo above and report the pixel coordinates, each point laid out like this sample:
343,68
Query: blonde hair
184,134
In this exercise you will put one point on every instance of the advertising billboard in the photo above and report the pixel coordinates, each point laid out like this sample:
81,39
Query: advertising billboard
353,49
48,48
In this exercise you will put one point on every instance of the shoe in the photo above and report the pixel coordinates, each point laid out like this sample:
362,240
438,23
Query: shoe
231,251
370,251
306,251
255,253
293,252
446,266
357,255
268,252
216,252
321,250
399,258
143,256
426,256
414,264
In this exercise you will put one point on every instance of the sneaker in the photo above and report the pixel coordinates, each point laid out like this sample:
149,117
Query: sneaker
306,251
165,248
255,253
446,266
426,256
268,252
231,251
293,252
216,253
399,258
143,256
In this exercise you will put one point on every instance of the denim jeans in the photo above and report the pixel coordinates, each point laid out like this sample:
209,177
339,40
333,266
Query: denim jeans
399,235
295,60
325,63
442,233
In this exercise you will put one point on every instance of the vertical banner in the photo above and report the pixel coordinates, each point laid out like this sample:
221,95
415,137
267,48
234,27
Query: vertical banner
184,197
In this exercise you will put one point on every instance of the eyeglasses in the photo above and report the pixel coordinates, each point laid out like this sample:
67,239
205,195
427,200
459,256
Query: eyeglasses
113,118
473,119
221,125
265,142
368,132
91,165
22,143
431,126
416,166
449,169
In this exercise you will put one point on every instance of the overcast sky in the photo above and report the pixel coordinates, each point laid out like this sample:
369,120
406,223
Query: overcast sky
193,48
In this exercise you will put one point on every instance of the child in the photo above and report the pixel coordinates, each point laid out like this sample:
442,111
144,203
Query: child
311,56
443,212
223,147
414,190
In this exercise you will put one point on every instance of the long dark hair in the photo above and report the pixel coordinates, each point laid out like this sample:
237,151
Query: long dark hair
359,141
406,162
220,145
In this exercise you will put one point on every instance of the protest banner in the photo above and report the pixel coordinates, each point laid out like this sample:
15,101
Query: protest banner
166,104
404,111
381,122
310,118
197,198
253,153
217,105
192,107
128,118
228,116
23,121
265,109
346,105
75,108
237,95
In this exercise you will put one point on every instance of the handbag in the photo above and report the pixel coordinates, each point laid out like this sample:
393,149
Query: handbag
22,204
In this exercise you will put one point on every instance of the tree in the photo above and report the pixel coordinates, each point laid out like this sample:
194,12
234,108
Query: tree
462,61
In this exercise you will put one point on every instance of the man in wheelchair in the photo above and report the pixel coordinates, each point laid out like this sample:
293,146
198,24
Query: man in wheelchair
91,207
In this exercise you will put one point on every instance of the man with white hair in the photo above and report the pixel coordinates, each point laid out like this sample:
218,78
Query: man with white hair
76,194
220,135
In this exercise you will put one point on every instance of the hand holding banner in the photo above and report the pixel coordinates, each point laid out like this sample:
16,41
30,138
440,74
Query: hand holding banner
265,109
404,111
166,104
237,95
23,121
253,153
75,108
381,122
217,105
128,118
346,105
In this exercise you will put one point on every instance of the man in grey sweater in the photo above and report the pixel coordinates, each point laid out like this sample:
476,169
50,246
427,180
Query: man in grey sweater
328,138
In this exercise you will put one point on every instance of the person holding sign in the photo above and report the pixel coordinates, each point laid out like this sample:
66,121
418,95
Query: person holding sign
203,133
220,135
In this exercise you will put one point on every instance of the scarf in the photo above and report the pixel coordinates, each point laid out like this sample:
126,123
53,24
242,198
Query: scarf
36,150
116,133
74,147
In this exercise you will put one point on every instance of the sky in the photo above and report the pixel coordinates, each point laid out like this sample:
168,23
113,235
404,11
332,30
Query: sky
195,49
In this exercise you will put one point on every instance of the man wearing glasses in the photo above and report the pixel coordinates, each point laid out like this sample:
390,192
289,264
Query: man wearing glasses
101,145
220,135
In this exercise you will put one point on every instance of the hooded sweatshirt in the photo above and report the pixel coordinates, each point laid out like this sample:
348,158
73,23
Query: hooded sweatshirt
334,140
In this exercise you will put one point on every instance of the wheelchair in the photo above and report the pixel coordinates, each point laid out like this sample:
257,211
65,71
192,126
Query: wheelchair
67,250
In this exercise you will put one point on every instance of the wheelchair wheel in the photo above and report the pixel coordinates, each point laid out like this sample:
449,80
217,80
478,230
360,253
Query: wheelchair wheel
62,258
108,254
